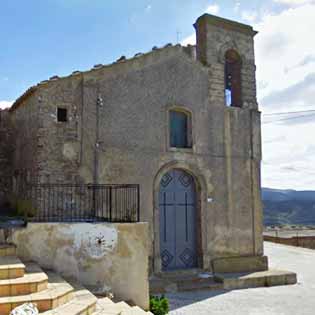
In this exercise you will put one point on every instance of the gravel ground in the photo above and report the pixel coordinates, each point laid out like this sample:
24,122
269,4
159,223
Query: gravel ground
296,299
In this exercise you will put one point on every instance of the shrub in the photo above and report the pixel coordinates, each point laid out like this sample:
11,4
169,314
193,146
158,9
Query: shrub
159,305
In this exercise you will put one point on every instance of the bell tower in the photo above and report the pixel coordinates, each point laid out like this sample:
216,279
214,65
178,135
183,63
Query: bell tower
227,48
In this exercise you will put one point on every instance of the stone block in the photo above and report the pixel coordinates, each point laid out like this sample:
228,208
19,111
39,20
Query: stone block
256,279
240,264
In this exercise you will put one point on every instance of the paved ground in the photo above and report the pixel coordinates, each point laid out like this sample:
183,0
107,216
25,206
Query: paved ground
296,299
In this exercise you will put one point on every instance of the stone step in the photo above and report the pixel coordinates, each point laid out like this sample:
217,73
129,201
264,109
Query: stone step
7,250
201,281
111,308
103,302
180,273
10,266
82,303
266,278
135,310
199,284
34,280
57,293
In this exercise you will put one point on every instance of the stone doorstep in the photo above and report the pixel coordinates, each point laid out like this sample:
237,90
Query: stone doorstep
58,293
11,267
179,273
183,283
266,278
34,280
7,250
240,264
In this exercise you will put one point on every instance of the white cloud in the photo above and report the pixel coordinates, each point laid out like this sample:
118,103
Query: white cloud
289,154
190,40
237,6
249,16
285,64
293,3
282,44
5,104
148,7
213,9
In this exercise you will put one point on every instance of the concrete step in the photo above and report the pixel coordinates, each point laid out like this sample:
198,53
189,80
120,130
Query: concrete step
266,278
111,308
180,273
135,310
179,283
34,280
10,266
199,284
102,302
57,293
82,303
7,250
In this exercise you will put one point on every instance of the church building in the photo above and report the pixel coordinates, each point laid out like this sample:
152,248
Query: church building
182,123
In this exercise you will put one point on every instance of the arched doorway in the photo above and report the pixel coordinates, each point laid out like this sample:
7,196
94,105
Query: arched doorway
178,220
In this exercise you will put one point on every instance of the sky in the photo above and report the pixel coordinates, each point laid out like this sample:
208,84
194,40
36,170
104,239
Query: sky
40,39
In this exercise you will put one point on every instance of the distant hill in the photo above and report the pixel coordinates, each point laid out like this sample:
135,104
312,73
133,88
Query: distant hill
288,207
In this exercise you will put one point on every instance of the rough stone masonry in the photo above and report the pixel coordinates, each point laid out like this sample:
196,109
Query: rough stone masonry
111,124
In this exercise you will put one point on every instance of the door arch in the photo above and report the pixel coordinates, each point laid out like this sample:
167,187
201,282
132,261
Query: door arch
178,220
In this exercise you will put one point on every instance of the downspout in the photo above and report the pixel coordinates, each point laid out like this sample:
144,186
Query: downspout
82,111
99,103
252,181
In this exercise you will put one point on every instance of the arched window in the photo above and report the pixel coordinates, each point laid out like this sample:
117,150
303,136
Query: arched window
233,87
180,129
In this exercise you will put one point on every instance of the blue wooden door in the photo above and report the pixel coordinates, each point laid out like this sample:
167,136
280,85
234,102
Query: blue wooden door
177,204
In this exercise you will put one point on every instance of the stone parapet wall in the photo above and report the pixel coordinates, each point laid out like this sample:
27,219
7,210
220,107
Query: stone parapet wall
103,257
300,241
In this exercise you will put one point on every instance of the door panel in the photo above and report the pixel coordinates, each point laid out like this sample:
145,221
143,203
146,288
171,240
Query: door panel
177,220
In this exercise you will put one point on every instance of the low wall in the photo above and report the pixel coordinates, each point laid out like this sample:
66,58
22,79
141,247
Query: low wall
103,257
300,241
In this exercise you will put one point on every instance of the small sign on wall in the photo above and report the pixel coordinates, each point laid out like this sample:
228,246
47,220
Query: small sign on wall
209,199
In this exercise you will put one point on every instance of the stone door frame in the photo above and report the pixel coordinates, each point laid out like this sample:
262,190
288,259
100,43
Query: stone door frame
201,190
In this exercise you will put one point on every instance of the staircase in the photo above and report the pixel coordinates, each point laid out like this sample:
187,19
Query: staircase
26,282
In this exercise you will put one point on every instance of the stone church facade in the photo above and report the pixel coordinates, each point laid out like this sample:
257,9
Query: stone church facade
182,122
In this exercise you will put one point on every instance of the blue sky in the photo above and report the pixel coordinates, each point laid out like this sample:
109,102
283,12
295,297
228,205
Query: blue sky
40,39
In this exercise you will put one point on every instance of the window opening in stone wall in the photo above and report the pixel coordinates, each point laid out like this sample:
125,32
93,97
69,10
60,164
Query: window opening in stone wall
180,129
62,114
233,93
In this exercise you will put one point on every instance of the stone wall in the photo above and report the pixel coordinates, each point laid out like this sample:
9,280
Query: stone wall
26,124
300,241
6,154
103,257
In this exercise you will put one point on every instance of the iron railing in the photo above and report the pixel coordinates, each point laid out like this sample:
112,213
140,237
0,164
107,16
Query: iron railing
81,203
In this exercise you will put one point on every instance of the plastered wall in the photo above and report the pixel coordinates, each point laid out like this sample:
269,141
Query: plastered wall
103,257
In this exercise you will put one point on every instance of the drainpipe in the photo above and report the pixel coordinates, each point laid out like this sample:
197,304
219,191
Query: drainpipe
82,120
99,103
252,159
